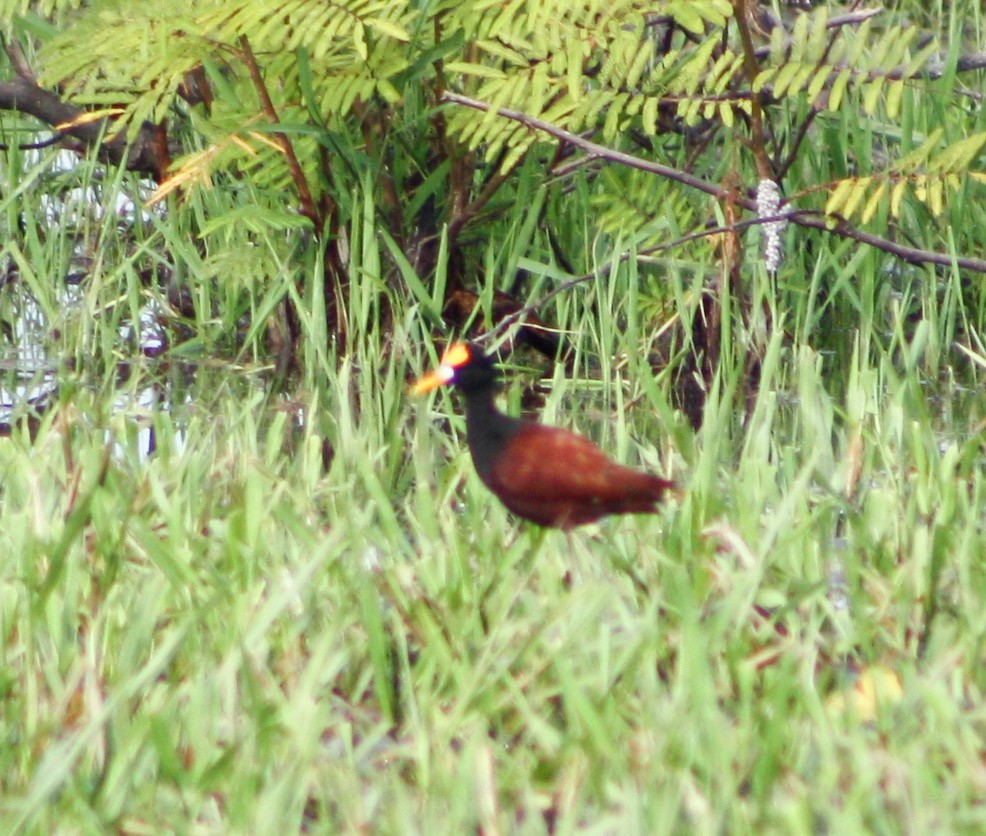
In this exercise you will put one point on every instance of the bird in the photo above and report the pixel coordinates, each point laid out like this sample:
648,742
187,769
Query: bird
547,475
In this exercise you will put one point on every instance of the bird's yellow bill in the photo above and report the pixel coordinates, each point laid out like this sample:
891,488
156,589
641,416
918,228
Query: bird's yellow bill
430,381
455,355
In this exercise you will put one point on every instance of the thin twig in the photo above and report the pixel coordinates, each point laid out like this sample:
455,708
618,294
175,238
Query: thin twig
752,68
568,284
18,61
308,208
591,148
811,220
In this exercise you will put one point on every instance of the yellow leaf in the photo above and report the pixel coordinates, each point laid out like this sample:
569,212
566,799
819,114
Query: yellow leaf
818,83
802,78
501,51
869,210
856,196
387,27
726,114
649,116
359,40
897,197
838,196
871,95
763,78
876,688
387,90
691,117
839,89
894,95
784,77
936,198
686,17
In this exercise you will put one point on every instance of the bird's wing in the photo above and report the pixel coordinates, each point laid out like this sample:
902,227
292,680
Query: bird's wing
555,465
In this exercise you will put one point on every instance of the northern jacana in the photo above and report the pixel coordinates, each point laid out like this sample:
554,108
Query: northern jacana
547,475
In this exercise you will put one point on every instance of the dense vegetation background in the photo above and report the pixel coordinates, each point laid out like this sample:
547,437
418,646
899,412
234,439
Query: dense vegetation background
246,583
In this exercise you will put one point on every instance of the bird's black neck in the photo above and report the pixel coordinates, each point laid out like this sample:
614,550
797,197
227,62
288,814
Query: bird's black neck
488,429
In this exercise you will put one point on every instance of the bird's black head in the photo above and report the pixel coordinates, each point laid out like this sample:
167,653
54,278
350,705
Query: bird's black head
465,366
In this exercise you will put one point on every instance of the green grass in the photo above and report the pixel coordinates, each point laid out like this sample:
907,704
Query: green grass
224,637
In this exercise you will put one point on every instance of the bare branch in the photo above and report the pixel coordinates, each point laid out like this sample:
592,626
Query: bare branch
308,208
591,148
18,60
147,153
806,219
